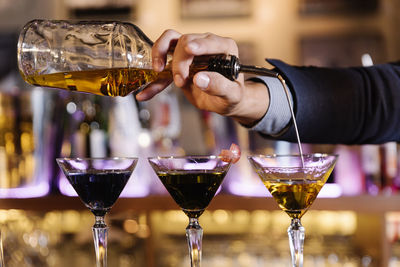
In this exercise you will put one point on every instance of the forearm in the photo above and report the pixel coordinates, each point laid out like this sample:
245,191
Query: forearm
344,105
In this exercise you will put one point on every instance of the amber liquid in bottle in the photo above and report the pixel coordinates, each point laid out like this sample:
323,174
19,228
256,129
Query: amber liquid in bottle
113,81
106,82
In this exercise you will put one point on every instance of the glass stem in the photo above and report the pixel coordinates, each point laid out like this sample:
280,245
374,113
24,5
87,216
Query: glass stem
1,251
296,234
100,233
194,235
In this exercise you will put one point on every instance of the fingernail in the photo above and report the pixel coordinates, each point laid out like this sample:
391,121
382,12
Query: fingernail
158,64
193,46
202,81
178,80
139,96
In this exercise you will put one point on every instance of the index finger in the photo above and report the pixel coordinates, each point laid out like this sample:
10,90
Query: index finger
161,48
212,44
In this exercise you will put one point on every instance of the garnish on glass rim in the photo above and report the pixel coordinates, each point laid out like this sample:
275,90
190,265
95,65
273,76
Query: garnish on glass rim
231,155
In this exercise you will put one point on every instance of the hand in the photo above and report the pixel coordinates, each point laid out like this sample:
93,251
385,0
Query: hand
244,101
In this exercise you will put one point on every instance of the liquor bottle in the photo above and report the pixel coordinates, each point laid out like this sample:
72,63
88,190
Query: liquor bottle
371,166
104,58
388,153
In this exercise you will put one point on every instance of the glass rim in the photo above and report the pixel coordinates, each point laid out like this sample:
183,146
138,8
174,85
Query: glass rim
96,158
272,156
187,157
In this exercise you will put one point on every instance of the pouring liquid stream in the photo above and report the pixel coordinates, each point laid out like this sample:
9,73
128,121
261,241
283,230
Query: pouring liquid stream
266,72
293,118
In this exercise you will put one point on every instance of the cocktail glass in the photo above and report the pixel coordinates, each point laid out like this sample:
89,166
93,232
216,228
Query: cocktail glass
98,182
192,182
294,183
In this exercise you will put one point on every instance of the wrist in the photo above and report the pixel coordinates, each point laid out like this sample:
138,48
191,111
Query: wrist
253,105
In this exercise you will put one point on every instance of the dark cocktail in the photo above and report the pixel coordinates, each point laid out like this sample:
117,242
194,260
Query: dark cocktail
192,182
98,182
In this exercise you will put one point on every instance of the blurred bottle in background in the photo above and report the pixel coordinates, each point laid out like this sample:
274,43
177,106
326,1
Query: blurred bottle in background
388,152
371,166
94,126
26,139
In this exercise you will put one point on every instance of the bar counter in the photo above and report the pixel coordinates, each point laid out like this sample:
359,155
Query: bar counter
362,203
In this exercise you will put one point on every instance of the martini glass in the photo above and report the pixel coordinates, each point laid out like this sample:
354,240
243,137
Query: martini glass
192,182
98,182
294,182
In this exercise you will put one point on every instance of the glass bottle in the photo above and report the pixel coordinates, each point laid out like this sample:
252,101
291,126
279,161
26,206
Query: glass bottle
104,58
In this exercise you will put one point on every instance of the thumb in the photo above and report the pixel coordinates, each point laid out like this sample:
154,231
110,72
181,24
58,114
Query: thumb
214,83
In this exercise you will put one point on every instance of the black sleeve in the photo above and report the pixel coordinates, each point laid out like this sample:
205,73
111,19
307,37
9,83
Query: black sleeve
356,105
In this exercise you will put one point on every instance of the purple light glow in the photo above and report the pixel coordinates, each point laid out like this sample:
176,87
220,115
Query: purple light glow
79,165
111,165
32,191
209,165
348,170
330,191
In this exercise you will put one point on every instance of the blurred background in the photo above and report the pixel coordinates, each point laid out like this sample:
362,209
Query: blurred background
355,222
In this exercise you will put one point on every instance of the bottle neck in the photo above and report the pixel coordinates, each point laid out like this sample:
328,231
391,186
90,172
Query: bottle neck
226,65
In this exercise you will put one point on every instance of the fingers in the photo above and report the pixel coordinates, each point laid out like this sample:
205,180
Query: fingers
161,47
190,45
153,89
208,44
182,59
186,47
215,84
